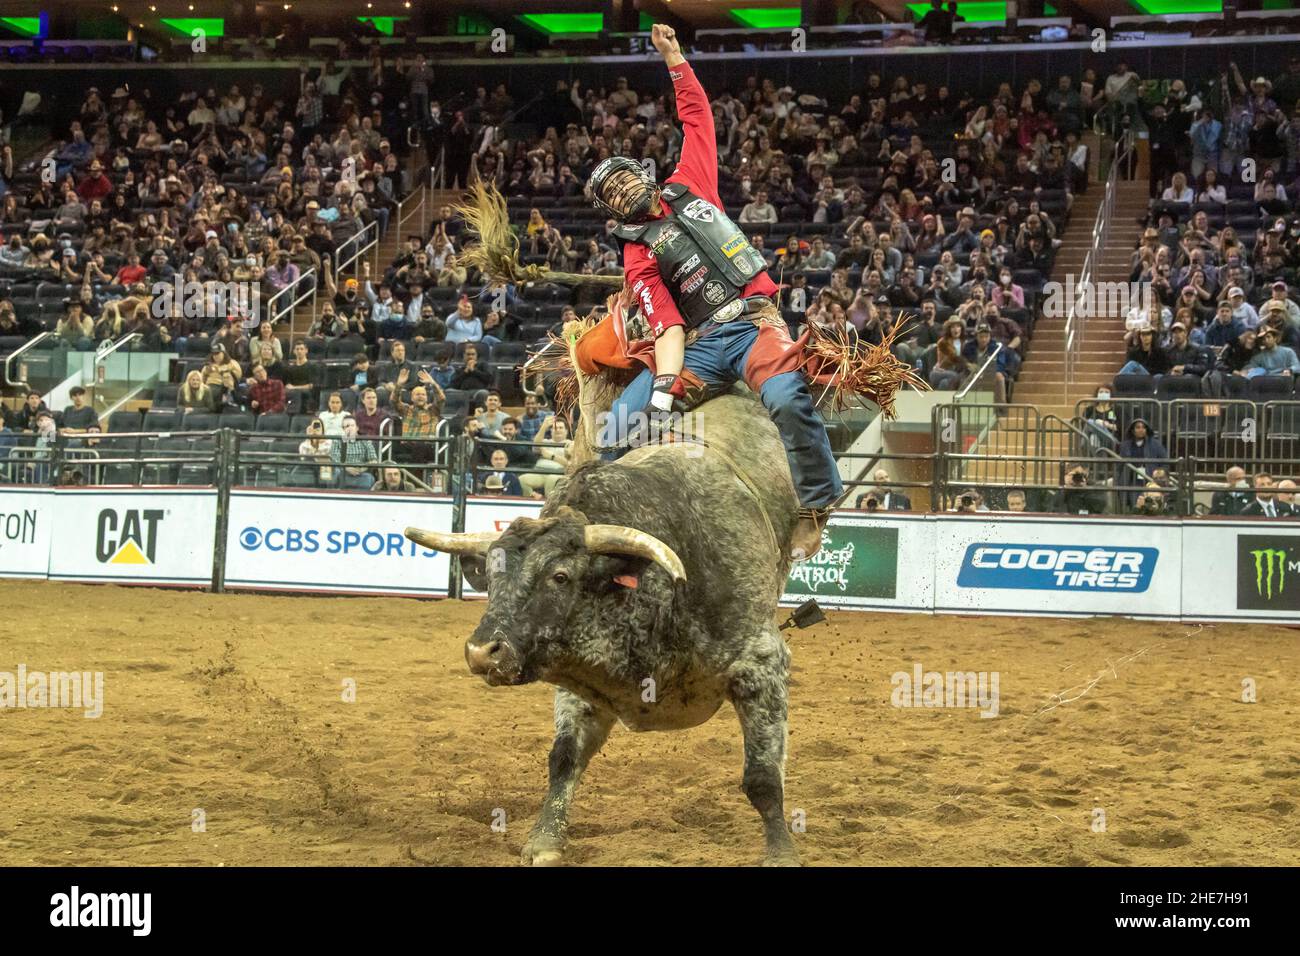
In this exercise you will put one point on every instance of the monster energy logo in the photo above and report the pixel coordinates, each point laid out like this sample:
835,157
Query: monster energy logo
1266,560
1266,564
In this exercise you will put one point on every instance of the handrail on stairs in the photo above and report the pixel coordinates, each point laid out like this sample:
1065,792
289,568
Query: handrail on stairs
22,349
970,383
1076,316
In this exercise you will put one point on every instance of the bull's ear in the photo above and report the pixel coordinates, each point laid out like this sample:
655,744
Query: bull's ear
474,570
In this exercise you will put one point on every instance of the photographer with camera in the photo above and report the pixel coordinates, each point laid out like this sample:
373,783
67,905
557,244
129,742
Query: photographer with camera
881,497
1152,501
970,501
1077,498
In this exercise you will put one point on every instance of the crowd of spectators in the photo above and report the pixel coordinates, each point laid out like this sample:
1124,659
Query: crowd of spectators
1219,259
939,207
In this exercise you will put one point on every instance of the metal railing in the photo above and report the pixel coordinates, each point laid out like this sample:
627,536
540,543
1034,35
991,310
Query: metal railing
407,209
284,302
980,373
18,353
359,245
1075,319
226,458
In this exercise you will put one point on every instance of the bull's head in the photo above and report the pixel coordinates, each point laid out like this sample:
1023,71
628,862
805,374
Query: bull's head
541,576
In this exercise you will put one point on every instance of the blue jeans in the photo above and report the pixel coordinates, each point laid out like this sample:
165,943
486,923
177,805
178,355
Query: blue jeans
719,359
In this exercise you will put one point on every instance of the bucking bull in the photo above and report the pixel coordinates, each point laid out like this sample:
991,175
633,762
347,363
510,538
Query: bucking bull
647,588
646,592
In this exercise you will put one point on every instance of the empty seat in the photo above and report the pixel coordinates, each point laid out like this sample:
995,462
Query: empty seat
273,422
240,421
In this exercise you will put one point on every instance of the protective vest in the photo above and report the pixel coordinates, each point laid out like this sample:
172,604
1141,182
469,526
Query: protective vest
704,258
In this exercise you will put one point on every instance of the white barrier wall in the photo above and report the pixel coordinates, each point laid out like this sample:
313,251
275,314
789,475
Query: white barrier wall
1235,570
335,542
133,536
495,514
26,523
1194,569
1006,564
868,562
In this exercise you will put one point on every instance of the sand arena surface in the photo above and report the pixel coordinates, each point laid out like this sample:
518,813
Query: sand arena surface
233,704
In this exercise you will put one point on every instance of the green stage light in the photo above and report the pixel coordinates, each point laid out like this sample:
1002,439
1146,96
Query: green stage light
26,26
766,18
385,25
984,11
565,22
211,26
1164,7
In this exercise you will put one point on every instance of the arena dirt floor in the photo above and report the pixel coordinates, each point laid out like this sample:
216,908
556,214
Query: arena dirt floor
232,704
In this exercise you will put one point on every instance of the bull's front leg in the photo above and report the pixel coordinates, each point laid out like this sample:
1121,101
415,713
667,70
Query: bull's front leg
757,690
580,732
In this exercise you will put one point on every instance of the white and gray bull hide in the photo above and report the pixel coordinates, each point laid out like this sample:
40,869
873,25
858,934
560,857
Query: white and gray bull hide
646,592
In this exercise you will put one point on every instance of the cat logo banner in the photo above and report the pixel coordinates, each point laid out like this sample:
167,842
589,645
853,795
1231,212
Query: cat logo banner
127,537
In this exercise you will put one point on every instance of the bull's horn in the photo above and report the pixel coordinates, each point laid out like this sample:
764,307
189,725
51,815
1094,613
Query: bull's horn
616,539
465,543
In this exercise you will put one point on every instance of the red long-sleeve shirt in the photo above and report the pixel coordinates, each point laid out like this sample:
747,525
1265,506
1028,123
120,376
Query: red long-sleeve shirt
269,396
698,171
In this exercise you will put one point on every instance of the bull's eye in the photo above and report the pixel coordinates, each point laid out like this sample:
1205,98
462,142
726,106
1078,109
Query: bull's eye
560,577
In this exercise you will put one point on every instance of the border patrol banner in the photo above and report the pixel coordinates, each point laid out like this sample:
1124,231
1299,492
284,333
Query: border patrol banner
26,520
1005,564
335,542
490,513
134,536
868,562
1241,570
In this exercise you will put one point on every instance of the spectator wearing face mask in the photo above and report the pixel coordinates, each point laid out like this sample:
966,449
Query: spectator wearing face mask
1230,501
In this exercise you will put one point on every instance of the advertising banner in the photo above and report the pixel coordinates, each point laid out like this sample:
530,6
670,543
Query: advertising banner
133,536
1241,570
495,514
1004,564
867,563
335,542
26,519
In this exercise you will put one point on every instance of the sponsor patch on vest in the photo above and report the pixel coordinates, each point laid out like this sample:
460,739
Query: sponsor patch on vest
668,235
734,246
686,266
714,292
694,280
701,210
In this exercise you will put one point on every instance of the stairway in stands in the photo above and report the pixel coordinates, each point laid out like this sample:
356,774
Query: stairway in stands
1099,344
385,253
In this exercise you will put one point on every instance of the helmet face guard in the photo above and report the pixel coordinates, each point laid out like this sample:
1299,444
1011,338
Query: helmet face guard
621,188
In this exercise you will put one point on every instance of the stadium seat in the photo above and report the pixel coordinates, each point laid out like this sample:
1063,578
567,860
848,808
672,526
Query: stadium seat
160,420
1132,386
1269,388
275,422
239,421
1178,386
198,422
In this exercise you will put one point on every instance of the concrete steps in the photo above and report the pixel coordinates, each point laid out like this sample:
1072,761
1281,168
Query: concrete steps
1099,340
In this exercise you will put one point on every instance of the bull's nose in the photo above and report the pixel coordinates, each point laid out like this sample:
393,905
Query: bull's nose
490,656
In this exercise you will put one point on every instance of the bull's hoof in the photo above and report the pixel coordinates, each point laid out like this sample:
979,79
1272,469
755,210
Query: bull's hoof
782,858
542,850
